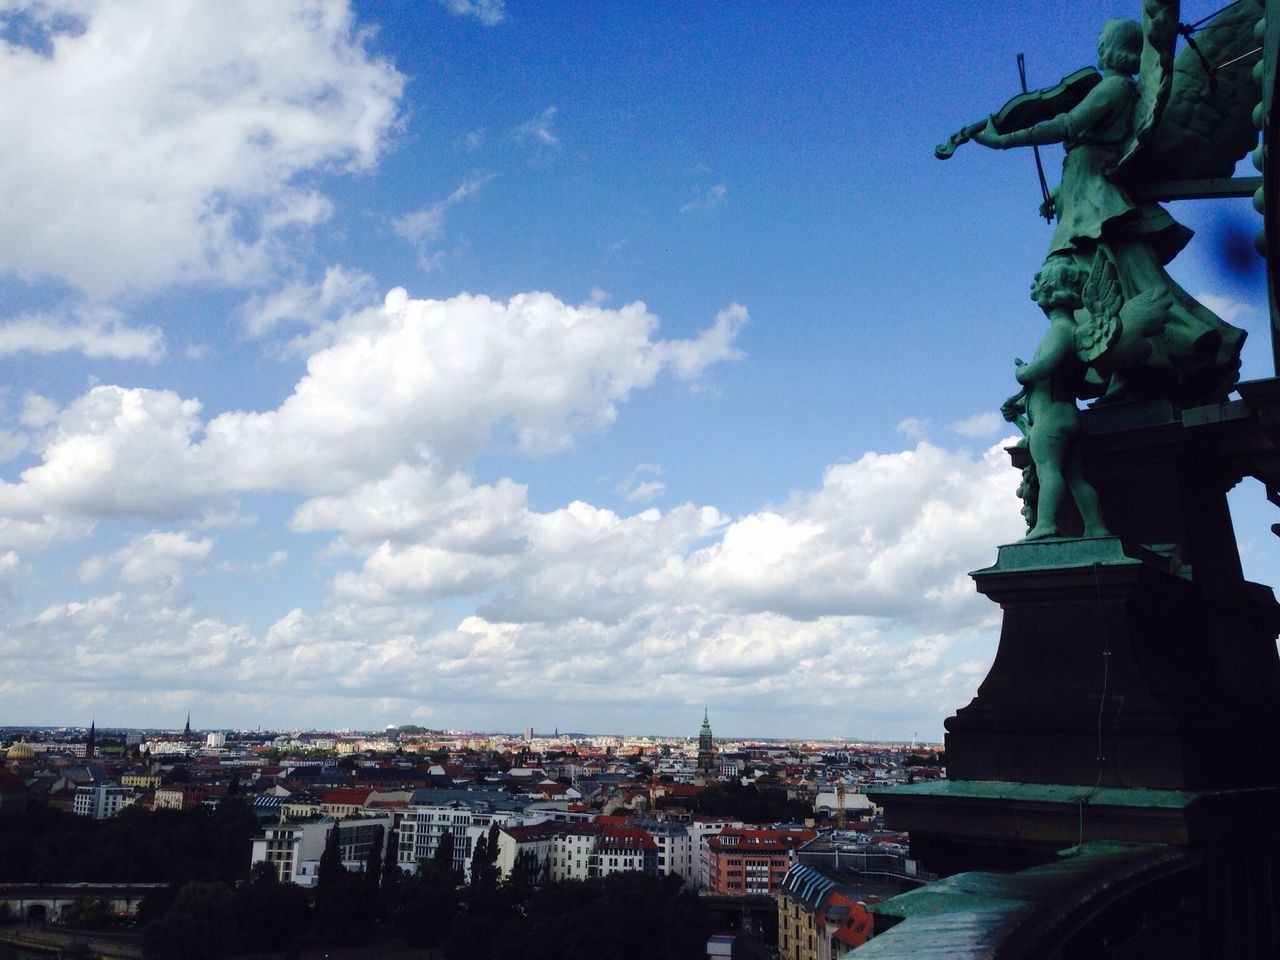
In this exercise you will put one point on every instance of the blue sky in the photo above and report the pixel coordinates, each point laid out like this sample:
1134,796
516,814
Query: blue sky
486,364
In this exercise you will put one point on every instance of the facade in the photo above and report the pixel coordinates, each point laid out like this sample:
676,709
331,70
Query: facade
184,796
141,781
701,831
343,802
676,853
589,850
817,920
753,862
295,848
467,818
536,841
624,850
101,800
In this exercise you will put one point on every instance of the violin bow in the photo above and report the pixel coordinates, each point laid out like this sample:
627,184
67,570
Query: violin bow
1044,186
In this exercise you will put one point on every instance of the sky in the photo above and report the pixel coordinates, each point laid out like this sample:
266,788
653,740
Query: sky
485,364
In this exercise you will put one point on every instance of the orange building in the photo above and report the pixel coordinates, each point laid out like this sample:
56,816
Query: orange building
745,861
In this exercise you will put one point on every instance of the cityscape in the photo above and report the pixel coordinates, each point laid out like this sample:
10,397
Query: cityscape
491,478
780,845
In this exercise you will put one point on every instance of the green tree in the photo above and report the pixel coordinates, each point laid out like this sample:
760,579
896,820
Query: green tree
427,904
373,869
201,925
341,905
273,915
88,912
444,851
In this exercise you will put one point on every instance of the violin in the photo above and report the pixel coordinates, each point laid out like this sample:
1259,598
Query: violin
1028,109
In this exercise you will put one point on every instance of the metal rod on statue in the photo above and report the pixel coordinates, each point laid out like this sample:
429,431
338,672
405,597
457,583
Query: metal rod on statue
1046,208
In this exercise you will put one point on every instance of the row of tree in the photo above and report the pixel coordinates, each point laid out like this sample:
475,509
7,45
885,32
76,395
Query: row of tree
165,846
622,916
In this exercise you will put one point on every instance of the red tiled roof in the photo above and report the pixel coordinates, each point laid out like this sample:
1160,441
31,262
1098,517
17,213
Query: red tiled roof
346,795
626,838
537,831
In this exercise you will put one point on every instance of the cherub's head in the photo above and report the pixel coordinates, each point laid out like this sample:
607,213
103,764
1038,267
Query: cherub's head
1058,284
1120,46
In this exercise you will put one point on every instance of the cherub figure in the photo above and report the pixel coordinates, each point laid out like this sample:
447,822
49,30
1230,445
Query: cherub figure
1048,400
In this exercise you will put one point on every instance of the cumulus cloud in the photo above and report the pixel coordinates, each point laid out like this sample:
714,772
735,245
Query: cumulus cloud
151,144
158,559
94,331
854,592
980,425
312,304
427,383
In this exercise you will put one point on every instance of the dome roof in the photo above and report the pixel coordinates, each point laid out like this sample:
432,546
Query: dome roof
19,751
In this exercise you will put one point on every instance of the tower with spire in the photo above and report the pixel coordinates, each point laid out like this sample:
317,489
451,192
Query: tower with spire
91,743
706,747
186,731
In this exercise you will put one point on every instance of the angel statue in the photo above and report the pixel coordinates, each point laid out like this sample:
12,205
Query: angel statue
1045,409
1179,120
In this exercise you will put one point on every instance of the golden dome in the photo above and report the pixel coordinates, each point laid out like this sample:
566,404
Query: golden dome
19,751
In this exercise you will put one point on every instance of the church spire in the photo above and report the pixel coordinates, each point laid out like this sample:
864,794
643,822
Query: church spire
92,742
186,731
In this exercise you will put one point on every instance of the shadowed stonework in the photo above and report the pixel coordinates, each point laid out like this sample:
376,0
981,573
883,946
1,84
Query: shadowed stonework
1122,756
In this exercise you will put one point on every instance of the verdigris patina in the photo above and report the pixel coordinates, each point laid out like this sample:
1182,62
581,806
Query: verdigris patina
1137,335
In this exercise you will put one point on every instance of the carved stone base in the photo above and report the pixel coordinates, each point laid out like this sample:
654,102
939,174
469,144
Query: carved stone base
1111,671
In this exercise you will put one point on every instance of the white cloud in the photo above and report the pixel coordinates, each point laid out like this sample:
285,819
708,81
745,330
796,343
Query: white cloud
890,535
157,559
153,144
980,425
712,198
1232,311
538,131
913,427
313,304
425,226
115,450
488,12
422,383
637,489
93,331
855,590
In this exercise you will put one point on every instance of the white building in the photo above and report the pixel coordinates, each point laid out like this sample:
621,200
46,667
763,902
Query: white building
587,850
856,805
295,848
423,826
700,834
101,800
535,840
676,854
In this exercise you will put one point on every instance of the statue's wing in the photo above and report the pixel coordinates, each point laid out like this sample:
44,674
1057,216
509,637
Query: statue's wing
1207,125
1155,75
1103,299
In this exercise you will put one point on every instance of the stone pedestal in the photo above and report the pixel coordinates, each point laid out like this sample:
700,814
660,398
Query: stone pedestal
1135,693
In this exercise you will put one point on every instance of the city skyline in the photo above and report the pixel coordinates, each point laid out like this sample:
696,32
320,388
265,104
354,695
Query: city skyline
484,363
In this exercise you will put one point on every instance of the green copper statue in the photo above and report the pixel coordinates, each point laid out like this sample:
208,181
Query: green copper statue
1179,119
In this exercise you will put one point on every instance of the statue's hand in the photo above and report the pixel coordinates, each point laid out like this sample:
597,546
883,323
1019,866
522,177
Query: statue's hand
1012,407
988,137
